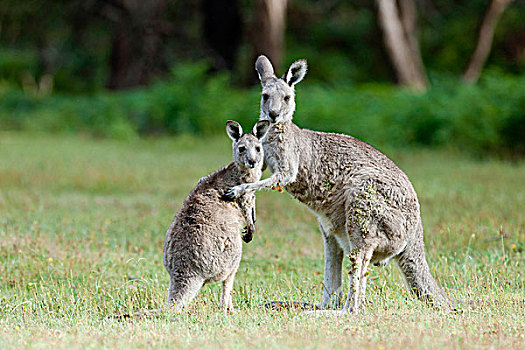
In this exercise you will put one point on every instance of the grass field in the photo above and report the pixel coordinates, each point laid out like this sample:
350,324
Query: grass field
82,226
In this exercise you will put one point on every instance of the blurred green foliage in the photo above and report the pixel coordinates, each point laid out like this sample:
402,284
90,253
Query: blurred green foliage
15,63
55,67
485,119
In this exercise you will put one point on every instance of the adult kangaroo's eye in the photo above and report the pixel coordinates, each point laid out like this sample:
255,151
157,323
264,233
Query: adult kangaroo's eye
265,97
258,149
242,149
286,98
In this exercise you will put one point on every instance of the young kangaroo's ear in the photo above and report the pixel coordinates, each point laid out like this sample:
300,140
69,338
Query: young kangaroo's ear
261,128
234,130
264,68
296,72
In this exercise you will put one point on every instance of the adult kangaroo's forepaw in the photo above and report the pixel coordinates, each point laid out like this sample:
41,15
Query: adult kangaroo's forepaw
229,195
233,193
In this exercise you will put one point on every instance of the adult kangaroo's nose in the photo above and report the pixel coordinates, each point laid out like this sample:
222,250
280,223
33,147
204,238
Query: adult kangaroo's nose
274,115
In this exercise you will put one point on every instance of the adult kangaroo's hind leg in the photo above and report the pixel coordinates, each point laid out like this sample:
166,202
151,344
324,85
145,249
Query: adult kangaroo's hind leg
333,261
359,262
182,290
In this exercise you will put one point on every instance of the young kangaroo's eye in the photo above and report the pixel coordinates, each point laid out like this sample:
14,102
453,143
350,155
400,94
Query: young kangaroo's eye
242,149
258,149
265,97
286,98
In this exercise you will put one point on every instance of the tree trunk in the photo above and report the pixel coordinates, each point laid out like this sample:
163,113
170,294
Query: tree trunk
400,39
222,31
137,43
486,34
409,20
268,31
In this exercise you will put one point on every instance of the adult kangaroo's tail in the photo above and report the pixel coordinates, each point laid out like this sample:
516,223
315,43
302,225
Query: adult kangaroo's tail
414,266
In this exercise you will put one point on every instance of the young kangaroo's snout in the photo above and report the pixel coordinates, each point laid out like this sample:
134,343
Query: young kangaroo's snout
247,147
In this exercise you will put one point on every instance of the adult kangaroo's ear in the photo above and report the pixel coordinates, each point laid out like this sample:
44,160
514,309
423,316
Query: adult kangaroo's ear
296,72
264,68
261,128
234,130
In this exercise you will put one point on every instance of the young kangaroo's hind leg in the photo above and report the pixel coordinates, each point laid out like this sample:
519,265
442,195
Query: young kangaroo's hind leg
333,260
227,289
182,290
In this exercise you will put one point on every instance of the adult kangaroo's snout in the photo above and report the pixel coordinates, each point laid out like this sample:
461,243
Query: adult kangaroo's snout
274,108
274,115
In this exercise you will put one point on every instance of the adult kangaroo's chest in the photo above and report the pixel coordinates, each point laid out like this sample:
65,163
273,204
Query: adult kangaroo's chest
314,181
278,150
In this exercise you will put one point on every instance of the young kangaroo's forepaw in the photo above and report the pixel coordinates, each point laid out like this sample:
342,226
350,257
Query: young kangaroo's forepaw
248,233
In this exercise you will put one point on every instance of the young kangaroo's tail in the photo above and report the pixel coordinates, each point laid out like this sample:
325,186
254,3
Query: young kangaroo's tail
417,273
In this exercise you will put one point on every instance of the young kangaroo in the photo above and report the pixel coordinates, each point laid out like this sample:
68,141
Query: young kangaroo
203,244
365,205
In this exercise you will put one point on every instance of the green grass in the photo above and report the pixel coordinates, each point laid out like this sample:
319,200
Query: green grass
82,226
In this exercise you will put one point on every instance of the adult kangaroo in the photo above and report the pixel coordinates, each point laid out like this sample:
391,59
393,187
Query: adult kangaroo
365,205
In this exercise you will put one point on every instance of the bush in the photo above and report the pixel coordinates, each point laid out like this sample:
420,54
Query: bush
486,119
14,64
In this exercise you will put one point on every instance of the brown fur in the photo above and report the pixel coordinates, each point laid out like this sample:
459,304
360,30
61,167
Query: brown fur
203,244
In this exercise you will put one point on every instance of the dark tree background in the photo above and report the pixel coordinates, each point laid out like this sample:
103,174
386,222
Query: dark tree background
222,32
83,46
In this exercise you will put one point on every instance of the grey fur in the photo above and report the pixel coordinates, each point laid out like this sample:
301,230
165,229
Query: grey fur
366,206
203,243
